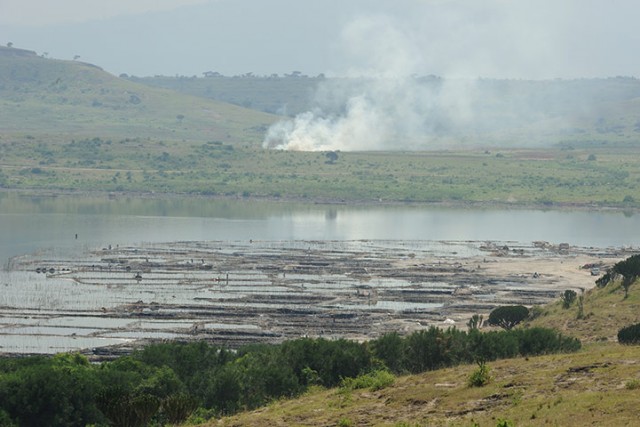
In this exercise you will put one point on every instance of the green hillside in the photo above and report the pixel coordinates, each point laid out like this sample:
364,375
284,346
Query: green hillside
64,100
288,95
455,112
598,385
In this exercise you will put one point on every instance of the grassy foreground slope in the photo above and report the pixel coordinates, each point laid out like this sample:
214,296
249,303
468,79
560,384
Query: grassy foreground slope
599,385
592,387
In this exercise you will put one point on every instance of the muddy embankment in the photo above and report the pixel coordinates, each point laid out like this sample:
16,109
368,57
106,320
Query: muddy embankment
234,293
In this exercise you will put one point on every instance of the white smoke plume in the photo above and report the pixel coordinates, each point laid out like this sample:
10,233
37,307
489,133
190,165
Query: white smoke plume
378,106
390,99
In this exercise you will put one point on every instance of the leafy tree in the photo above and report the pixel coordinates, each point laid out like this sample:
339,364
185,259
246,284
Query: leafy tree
508,316
475,322
56,391
568,297
331,156
493,345
629,269
332,360
389,348
427,350
264,377
126,409
177,407
221,389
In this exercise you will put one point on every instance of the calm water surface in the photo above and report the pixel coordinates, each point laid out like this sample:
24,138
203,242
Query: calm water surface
28,223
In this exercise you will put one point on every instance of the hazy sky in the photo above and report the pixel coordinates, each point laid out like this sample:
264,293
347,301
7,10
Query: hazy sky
470,38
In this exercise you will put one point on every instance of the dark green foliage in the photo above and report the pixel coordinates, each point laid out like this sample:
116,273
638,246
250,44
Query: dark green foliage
508,316
493,345
629,269
535,341
54,391
629,334
128,410
604,280
436,348
481,376
331,360
263,377
177,407
568,298
5,419
475,322
390,350
375,380
164,383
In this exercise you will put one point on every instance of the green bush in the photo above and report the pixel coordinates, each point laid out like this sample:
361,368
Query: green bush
479,377
629,334
535,341
632,384
375,380
568,298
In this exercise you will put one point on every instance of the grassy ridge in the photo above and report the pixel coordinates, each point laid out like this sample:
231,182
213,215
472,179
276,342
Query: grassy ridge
61,100
598,385
604,312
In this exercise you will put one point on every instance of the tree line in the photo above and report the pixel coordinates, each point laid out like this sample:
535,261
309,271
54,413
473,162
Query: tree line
166,383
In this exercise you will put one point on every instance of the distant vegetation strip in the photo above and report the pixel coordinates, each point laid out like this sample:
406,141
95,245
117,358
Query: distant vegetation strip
595,176
165,383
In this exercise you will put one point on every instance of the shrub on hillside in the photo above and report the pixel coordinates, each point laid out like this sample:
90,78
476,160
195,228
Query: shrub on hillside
480,377
629,334
374,381
568,298
628,269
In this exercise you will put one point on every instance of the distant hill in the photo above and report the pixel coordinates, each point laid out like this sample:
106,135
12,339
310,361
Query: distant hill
518,112
282,95
72,99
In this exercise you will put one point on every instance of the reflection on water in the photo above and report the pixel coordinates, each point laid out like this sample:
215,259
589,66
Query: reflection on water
69,223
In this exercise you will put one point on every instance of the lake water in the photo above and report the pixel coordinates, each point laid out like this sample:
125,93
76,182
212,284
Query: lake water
28,223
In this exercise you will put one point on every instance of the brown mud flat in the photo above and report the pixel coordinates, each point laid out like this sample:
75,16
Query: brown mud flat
234,293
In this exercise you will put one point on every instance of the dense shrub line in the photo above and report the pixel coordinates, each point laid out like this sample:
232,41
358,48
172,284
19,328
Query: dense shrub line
163,383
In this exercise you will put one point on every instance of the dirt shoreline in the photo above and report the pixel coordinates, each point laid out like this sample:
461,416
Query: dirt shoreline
461,204
235,293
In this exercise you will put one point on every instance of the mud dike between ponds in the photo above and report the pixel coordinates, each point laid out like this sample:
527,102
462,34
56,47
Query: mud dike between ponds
234,293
